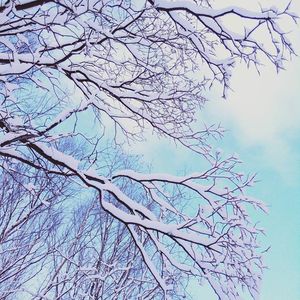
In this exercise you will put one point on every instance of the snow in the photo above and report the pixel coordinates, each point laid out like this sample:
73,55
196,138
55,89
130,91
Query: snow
57,155
108,186
163,204
8,137
30,187
148,261
212,24
211,229
97,276
45,202
68,112
87,269
168,229
208,12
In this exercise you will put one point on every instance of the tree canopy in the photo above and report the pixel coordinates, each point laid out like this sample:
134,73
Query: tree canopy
75,73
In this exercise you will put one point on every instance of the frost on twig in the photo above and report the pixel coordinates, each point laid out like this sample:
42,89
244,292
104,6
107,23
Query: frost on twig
74,73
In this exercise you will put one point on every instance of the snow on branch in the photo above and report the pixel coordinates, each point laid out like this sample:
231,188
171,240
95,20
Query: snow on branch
75,73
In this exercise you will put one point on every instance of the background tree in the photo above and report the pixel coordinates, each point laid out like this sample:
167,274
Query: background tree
54,246
29,216
131,66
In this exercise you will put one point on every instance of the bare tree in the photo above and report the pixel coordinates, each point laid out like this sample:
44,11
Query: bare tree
130,66
28,216
56,248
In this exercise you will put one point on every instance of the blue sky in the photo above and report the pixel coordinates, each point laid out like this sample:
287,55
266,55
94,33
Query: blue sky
262,116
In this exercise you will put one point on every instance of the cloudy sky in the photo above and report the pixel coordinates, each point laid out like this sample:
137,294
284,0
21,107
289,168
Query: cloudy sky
262,116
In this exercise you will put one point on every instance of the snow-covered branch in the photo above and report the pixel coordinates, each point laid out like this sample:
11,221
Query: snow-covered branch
76,73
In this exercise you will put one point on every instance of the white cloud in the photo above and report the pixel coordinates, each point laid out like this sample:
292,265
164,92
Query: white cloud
264,111
264,107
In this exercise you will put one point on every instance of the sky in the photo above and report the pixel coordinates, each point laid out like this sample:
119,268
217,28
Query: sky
262,116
